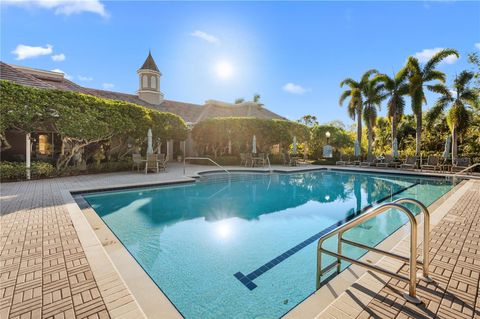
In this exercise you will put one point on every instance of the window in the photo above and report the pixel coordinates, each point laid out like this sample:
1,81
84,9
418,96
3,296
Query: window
44,146
145,81
153,82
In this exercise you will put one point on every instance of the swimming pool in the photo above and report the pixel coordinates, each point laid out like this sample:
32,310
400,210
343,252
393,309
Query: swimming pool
244,246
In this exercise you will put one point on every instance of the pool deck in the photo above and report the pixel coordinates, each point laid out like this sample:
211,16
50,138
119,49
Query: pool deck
52,265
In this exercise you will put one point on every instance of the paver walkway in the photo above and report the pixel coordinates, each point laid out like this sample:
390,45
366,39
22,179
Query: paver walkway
455,268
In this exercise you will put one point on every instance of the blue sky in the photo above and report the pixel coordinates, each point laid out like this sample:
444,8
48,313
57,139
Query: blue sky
292,53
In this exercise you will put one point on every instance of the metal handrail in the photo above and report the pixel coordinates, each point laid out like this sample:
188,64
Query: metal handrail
465,170
412,260
269,166
203,158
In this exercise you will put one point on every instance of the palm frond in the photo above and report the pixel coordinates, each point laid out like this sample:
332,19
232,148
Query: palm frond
350,82
438,57
470,97
435,75
462,80
458,116
440,89
401,75
435,112
344,96
367,74
403,89
413,65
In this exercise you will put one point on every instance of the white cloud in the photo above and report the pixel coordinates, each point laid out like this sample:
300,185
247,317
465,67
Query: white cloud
85,78
65,75
477,45
425,55
65,7
58,57
294,88
205,36
108,86
25,51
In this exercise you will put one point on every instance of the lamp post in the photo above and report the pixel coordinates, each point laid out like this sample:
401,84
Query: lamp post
327,134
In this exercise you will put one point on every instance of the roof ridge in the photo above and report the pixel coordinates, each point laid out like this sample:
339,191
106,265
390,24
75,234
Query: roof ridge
29,76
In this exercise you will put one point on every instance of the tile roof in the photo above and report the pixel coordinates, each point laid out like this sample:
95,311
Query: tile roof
9,73
191,113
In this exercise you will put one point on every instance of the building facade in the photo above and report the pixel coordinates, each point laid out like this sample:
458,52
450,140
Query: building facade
45,144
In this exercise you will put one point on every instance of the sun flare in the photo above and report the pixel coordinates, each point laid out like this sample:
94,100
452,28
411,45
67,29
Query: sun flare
224,69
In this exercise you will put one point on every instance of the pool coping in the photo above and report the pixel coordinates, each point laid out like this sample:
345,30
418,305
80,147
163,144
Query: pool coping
107,255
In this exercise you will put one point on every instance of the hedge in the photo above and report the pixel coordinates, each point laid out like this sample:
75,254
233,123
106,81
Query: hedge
212,136
11,171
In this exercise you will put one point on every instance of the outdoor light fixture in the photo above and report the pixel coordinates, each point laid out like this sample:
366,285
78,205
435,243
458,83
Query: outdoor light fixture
328,136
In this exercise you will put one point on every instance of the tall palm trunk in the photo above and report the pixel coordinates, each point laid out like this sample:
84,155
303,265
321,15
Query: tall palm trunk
370,139
394,128
418,137
359,128
454,143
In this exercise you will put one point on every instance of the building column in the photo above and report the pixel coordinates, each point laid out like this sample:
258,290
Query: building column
170,150
28,146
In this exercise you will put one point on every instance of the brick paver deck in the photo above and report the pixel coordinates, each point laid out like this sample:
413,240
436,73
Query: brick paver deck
44,271
455,268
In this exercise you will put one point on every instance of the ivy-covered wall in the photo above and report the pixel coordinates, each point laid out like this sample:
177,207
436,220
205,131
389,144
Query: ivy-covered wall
213,136
82,120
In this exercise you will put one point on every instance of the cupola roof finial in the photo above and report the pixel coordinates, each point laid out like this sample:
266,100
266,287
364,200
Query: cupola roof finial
149,63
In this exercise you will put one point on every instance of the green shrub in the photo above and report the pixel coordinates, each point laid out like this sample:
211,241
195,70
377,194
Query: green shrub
10,171
14,171
42,169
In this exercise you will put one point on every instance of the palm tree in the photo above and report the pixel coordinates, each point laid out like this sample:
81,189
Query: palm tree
373,92
418,78
355,106
458,117
396,88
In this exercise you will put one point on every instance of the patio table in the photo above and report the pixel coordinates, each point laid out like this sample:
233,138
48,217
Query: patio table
258,161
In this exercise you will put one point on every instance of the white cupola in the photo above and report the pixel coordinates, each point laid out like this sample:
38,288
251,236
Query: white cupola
149,82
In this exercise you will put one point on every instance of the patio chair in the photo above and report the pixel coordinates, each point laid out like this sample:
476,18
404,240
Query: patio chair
410,163
370,161
243,159
387,162
152,163
259,160
162,162
136,161
433,163
248,159
342,161
459,164
287,160
354,161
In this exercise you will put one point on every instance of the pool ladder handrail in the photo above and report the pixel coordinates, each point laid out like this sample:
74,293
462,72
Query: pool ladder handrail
469,168
412,259
203,158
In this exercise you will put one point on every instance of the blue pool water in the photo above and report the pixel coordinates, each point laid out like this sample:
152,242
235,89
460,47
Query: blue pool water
245,247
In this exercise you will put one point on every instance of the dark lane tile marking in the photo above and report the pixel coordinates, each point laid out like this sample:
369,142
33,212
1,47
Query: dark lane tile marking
247,280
